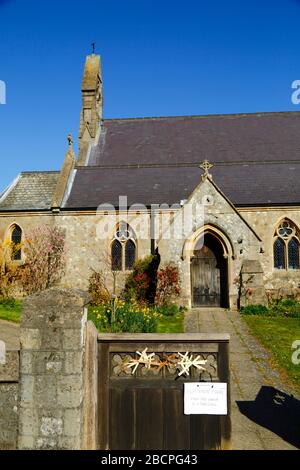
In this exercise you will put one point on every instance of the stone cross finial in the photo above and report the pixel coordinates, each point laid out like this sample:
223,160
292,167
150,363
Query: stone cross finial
206,166
70,140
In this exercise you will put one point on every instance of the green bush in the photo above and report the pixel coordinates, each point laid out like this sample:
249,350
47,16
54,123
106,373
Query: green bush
129,317
9,302
137,282
286,308
141,283
97,288
255,310
168,310
288,303
283,308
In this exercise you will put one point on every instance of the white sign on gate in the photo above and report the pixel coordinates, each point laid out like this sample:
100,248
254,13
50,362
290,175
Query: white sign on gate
205,398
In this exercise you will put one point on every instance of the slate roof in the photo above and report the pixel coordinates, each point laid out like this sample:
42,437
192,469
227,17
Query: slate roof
155,160
219,138
244,185
30,191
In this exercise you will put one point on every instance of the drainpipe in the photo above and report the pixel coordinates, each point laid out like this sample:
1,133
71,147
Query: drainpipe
152,228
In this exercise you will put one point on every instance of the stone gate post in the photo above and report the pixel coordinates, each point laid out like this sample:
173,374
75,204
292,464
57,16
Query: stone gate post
52,370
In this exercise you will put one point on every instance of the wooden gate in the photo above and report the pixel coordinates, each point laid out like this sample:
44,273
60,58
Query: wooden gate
144,410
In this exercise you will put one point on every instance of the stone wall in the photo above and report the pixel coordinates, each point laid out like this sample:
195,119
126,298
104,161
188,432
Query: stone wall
86,251
52,371
27,221
240,240
90,405
9,376
265,221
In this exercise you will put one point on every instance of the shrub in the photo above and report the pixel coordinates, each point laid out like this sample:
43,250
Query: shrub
255,310
9,280
97,289
286,308
168,310
168,286
288,303
142,281
137,282
282,308
10,272
45,258
9,302
129,317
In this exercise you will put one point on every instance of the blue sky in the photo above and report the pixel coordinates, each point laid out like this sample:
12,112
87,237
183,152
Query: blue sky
159,58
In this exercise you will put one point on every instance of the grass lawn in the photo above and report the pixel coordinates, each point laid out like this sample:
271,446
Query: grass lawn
277,335
11,313
171,323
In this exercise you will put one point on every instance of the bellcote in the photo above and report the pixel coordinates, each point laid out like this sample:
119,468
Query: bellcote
92,104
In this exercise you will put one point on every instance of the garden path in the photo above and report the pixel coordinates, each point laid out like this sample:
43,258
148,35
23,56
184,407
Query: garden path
9,333
265,414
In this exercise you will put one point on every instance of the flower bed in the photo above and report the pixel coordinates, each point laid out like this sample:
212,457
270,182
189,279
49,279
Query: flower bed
128,317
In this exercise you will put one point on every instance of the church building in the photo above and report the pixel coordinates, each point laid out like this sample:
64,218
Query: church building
218,196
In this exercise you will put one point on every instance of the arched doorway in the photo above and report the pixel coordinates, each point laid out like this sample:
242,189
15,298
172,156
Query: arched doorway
209,273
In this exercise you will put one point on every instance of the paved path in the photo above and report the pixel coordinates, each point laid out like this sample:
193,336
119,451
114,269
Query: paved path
9,333
264,414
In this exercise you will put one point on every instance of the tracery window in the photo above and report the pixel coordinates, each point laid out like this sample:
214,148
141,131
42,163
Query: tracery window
123,248
116,256
286,246
16,239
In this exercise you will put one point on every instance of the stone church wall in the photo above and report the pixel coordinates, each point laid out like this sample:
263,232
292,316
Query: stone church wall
87,249
218,214
27,221
264,221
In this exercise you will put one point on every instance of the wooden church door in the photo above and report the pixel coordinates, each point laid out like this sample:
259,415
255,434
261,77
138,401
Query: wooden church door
205,279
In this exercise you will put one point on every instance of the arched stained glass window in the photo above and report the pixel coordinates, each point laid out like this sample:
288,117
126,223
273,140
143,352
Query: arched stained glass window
123,248
16,238
286,246
116,256
279,254
129,254
293,253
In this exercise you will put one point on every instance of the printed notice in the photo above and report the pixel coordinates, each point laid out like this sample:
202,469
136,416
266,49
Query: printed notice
205,398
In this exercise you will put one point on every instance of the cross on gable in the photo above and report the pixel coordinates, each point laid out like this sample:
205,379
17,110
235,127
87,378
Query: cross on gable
206,166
